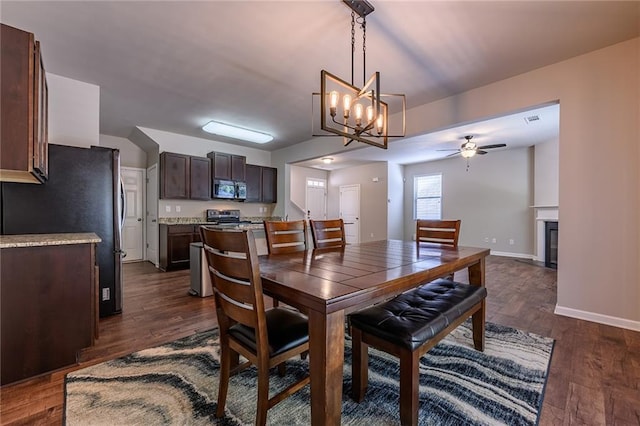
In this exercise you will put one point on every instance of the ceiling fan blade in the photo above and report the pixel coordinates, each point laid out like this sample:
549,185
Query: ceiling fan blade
455,153
481,152
497,145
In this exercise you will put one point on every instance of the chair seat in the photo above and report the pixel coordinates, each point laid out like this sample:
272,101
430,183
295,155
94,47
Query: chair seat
416,316
286,330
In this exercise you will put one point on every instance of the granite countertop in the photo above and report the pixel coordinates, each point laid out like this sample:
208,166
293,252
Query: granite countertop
245,221
39,240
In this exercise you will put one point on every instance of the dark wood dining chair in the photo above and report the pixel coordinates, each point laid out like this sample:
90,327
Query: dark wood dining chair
266,338
444,232
286,236
327,233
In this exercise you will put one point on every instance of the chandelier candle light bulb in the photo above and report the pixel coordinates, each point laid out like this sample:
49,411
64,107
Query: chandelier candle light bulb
346,102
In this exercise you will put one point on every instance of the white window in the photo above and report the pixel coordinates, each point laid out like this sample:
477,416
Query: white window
427,195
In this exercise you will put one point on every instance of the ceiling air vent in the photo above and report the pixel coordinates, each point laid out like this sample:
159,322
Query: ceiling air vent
531,118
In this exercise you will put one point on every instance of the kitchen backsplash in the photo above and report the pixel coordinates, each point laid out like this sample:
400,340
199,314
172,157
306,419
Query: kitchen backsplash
196,209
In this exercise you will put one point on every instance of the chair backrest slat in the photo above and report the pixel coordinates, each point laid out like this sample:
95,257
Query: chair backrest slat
286,236
328,233
235,275
444,232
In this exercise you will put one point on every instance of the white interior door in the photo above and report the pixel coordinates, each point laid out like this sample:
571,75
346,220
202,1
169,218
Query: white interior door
350,212
133,229
152,215
316,199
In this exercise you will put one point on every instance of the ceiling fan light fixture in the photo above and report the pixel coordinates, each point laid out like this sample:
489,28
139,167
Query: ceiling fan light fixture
468,153
327,160
235,132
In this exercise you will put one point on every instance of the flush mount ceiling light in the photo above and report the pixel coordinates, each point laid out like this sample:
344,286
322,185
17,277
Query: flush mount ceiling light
327,160
236,132
361,114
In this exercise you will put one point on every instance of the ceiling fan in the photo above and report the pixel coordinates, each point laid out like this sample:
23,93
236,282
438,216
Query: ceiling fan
468,149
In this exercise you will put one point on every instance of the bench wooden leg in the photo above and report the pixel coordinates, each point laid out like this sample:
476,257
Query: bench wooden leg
409,389
478,322
359,366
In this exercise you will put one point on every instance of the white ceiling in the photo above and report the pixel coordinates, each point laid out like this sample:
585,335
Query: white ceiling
174,65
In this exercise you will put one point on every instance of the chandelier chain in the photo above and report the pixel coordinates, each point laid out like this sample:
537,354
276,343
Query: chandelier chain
364,50
353,42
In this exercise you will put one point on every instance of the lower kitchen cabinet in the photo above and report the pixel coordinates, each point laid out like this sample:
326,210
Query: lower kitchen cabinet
49,307
174,245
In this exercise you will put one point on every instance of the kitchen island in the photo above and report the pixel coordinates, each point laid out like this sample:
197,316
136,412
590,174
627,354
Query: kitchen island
49,301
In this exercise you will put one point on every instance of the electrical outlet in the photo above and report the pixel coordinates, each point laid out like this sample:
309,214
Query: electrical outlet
178,209
493,240
511,241
106,294
167,208
372,235
486,239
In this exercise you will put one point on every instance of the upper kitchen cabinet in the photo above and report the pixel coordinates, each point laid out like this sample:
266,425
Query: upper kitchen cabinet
228,166
261,184
269,185
200,178
184,177
174,176
23,108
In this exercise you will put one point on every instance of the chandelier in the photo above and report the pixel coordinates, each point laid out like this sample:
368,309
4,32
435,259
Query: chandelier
361,114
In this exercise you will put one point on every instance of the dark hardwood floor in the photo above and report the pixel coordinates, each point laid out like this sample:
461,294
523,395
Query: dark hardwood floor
595,369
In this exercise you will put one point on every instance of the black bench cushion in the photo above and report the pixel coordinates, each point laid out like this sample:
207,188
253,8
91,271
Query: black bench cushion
286,329
414,317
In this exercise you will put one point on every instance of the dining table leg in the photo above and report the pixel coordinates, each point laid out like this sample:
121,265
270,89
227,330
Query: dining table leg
477,277
326,360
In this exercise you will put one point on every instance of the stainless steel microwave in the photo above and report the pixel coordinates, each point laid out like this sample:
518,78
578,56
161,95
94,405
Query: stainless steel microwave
224,189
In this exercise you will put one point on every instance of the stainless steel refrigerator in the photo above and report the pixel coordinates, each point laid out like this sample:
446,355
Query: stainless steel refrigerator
83,194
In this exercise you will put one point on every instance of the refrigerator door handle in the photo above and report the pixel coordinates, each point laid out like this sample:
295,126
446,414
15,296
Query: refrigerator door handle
123,210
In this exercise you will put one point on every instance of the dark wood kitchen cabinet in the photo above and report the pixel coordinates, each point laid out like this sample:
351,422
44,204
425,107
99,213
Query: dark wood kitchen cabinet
200,178
184,177
262,184
49,297
23,108
269,185
228,166
174,245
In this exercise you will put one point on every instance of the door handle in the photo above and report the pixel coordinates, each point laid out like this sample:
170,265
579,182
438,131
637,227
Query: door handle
139,219
153,221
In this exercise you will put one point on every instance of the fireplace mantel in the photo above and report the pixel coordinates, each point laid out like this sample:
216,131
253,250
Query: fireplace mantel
543,213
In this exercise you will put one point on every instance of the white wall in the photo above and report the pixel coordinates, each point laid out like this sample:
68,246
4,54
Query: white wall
395,201
173,142
492,199
546,171
599,95
373,197
130,155
74,112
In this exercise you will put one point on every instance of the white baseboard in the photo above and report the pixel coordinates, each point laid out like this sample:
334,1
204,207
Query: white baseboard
599,318
518,255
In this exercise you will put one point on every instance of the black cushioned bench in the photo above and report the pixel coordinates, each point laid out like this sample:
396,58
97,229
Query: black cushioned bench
407,327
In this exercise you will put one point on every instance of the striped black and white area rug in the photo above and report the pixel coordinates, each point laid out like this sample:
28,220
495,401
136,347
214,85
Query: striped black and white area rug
177,384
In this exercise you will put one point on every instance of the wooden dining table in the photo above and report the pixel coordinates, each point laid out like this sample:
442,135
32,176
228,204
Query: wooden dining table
327,284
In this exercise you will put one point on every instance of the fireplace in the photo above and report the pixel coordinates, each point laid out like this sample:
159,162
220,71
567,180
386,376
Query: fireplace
551,244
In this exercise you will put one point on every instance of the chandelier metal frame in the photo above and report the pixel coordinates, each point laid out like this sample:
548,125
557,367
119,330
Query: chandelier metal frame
365,115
